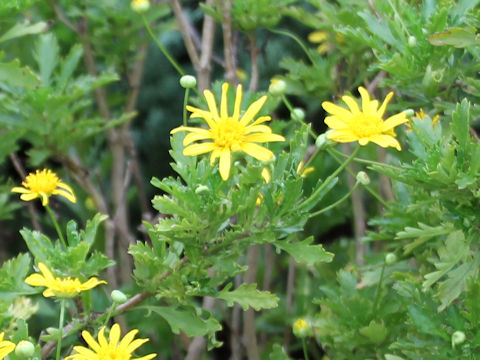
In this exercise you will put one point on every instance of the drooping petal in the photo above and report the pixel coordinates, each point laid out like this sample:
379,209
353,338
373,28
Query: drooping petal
202,114
386,141
66,194
43,196
258,152
258,128
261,119
224,101
252,110
225,163
190,138
197,149
91,283
238,102
21,190
214,156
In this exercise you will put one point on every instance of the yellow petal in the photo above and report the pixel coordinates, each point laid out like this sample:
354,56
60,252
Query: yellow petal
238,102
48,293
317,36
135,344
114,335
102,341
335,123
147,357
365,100
67,195
197,149
91,283
382,109
257,151
386,141
258,129
21,190
341,136
212,104
202,114
264,138
190,138
127,339
46,272
351,103
337,111
266,175
28,197
252,110
224,101
36,280
90,341
261,119
225,163
393,121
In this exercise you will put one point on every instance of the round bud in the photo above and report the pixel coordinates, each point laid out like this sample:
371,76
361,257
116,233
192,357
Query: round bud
458,337
140,6
118,297
277,87
363,178
390,259
24,349
202,189
412,41
300,328
298,114
188,81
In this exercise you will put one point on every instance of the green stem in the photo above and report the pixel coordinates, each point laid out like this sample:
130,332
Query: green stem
297,40
304,346
336,203
378,290
290,108
329,179
60,328
185,102
365,161
162,48
372,192
57,227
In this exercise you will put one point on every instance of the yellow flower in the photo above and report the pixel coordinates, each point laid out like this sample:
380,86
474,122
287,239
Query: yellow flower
300,328
421,115
229,133
6,347
62,288
140,5
109,350
42,184
364,125
304,172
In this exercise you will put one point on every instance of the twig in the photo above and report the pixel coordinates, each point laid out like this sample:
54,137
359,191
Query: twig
208,37
228,48
61,16
254,62
249,328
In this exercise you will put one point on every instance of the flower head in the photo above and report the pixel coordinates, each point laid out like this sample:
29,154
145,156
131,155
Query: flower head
109,350
140,5
366,125
300,327
6,347
43,184
229,133
60,287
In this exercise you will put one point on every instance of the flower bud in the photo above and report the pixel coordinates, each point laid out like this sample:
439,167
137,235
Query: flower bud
363,178
277,87
300,328
140,6
458,337
118,297
390,259
202,189
188,81
322,142
412,41
409,112
298,114
24,349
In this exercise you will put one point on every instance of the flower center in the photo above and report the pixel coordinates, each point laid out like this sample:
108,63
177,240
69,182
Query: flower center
112,353
67,286
42,181
228,133
364,126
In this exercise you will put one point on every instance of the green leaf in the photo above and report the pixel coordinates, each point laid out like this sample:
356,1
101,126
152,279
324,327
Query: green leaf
461,129
12,278
304,253
247,295
13,74
426,322
91,228
455,36
423,233
375,332
47,55
278,353
22,29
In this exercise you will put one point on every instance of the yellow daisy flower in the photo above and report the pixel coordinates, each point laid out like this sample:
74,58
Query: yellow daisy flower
43,184
364,125
113,349
6,347
229,133
62,288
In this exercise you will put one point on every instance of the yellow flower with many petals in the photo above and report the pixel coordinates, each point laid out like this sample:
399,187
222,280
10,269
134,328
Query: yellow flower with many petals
109,350
366,125
229,133
60,287
6,347
42,184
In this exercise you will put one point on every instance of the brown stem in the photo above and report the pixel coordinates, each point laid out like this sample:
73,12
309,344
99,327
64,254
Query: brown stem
197,346
228,48
289,300
235,338
208,37
254,61
249,327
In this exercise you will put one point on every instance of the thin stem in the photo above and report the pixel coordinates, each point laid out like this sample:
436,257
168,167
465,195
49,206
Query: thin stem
365,161
329,179
57,227
336,203
304,346
162,48
378,290
109,313
185,102
297,40
290,108
60,328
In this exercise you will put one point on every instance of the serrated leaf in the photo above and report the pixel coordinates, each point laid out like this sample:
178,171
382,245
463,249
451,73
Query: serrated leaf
47,55
247,295
455,36
22,29
375,332
304,253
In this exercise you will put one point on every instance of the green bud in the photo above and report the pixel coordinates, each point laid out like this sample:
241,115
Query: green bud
24,349
363,178
118,297
409,112
298,114
322,142
188,81
412,41
277,87
458,337
140,6
202,189
390,259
